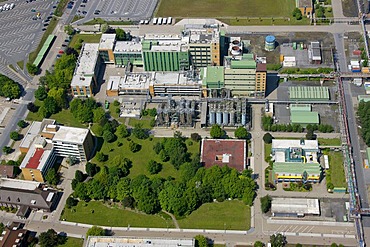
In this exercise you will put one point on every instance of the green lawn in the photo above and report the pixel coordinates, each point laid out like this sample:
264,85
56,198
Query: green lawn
53,23
141,158
61,6
237,21
330,142
229,215
222,8
64,117
145,121
338,177
20,64
267,150
88,38
105,216
73,242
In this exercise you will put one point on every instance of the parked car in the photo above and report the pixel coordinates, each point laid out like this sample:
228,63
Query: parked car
61,52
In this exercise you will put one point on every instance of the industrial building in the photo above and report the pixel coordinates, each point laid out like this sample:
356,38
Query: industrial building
295,161
114,241
177,113
314,52
50,142
301,114
212,81
26,196
228,113
305,93
232,153
85,74
126,52
294,207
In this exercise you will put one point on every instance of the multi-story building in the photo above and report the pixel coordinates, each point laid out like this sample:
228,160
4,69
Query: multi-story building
128,52
86,72
106,47
261,80
53,141
213,80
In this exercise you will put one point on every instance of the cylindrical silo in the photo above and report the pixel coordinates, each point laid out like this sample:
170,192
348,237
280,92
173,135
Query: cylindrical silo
226,118
219,118
244,119
270,43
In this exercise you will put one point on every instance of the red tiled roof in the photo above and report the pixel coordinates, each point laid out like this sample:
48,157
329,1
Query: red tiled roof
34,161
235,149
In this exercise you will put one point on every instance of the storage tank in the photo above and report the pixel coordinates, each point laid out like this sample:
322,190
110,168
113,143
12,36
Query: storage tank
226,118
219,118
270,43
236,50
212,118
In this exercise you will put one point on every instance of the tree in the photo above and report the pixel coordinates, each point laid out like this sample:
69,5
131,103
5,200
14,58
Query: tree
95,231
128,202
195,137
241,133
134,147
297,14
32,69
41,93
320,12
216,132
267,138
50,105
310,135
32,107
22,124
278,240
9,88
98,114
14,135
7,150
71,202
201,241
108,136
101,157
51,238
60,96
258,244
265,203
79,176
91,169
154,167
52,177
158,147
139,132
122,131
104,28
120,34
68,29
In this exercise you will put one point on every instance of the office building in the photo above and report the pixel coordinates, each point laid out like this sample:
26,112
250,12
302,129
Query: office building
106,46
126,52
87,68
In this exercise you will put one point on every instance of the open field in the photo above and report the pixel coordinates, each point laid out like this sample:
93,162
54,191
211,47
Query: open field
141,158
329,142
227,215
222,8
88,38
338,177
73,242
96,213
238,21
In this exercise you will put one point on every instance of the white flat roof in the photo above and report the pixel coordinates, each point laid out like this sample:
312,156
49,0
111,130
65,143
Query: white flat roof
18,184
139,81
87,60
284,144
151,36
109,241
127,46
295,206
107,41
81,81
174,78
113,83
70,134
31,134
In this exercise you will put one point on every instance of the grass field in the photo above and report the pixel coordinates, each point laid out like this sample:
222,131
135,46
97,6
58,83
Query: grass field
53,23
338,177
141,158
223,8
73,242
264,21
229,215
329,142
144,121
88,38
267,150
105,216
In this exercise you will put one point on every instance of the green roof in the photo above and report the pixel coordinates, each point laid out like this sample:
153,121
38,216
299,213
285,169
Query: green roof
300,107
247,62
309,93
365,98
296,168
146,45
303,117
214,77
43,50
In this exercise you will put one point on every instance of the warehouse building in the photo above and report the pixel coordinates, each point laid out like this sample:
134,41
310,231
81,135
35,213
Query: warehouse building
87,69
232,153
295,161
314,52
294,207
305,93
104,241
301,114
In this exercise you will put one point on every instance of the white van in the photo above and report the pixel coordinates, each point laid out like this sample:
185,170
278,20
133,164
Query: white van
164,21
155,21
160,21
169,22
12,6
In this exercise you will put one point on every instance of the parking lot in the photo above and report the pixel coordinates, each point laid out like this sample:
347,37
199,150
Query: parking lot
116,10
20,33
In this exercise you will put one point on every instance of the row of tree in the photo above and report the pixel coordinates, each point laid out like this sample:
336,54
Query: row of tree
268,125
363,113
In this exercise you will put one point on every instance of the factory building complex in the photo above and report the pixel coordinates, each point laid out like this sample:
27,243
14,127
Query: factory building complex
45,141
200,61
